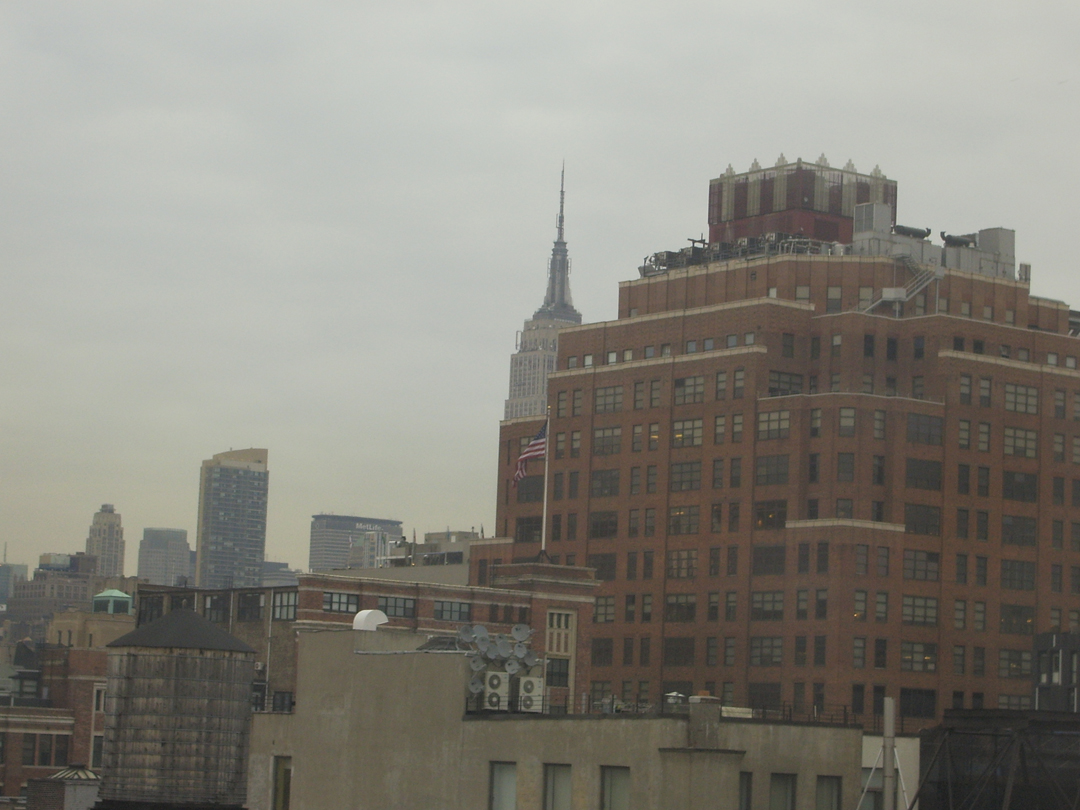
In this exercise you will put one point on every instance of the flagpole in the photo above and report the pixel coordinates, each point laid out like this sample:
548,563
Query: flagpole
547,446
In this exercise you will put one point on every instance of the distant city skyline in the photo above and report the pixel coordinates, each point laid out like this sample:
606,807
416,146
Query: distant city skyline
214,235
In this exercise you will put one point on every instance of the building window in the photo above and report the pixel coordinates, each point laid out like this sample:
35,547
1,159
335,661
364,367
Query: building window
1017,530
1014,663
683,519
922,519
608,400
216,608
920,610
557,786
680,607
770,514
767,606
685,476
603,609
689,390
682,564
453,611
527,529
686,433
1018,486
766,651
614,788
922,565
678,651
783,383
1017,575
603,524
845,466
284,606
1020,442
924,429
923,474
604,483
1021,398
502,786
774,425
398,607
1017,620
606,442
772,470
719,429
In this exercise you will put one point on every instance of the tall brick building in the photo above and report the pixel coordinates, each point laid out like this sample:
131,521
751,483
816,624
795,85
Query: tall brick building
811,473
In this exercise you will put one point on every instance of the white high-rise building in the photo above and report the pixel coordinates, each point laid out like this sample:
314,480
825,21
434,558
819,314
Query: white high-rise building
537,344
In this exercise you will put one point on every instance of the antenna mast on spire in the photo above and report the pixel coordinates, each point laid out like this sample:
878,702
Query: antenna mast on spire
562,200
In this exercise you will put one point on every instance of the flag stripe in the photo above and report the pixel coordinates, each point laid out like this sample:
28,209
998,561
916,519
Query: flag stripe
537,448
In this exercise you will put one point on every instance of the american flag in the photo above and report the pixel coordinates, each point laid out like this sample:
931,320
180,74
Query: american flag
537,448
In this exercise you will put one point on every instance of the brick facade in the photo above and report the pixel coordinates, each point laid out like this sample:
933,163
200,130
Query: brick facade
835,506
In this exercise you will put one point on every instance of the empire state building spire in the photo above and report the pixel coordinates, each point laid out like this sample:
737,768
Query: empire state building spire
538,341
557,302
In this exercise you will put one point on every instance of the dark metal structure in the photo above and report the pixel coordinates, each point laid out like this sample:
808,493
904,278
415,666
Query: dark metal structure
1001,760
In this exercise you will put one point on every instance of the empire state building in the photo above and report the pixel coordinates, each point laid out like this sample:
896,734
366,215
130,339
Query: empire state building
537,343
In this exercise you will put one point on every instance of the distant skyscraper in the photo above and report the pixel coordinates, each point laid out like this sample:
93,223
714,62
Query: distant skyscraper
538,343
9,575
106,541
334,536
164,556
232,519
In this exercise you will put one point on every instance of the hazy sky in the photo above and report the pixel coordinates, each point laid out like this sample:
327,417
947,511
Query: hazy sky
315,227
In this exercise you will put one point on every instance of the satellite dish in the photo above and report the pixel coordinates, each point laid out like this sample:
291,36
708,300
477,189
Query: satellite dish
520,650
477,664
476,685
465,633
530,659
492,652
512,666
482,643
369,620
520,632
504,647
479,631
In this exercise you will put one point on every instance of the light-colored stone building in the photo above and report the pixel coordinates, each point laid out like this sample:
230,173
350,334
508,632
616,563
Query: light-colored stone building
106,541
537,343
379,723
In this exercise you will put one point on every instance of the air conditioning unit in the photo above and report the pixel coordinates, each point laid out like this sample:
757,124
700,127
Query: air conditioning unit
531,694
259,666
497,691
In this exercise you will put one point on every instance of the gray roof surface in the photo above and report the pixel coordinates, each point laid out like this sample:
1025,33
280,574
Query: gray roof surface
181,628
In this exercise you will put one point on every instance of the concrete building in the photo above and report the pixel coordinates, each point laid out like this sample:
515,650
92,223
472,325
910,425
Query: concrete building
334,536
809,474
537,344
231,538
431,755
267,618
165,557
106,541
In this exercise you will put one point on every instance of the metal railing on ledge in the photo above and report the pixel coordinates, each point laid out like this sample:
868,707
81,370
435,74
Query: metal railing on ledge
16,700
496,705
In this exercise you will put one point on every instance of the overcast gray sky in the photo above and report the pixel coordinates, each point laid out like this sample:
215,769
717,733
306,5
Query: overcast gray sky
315,227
